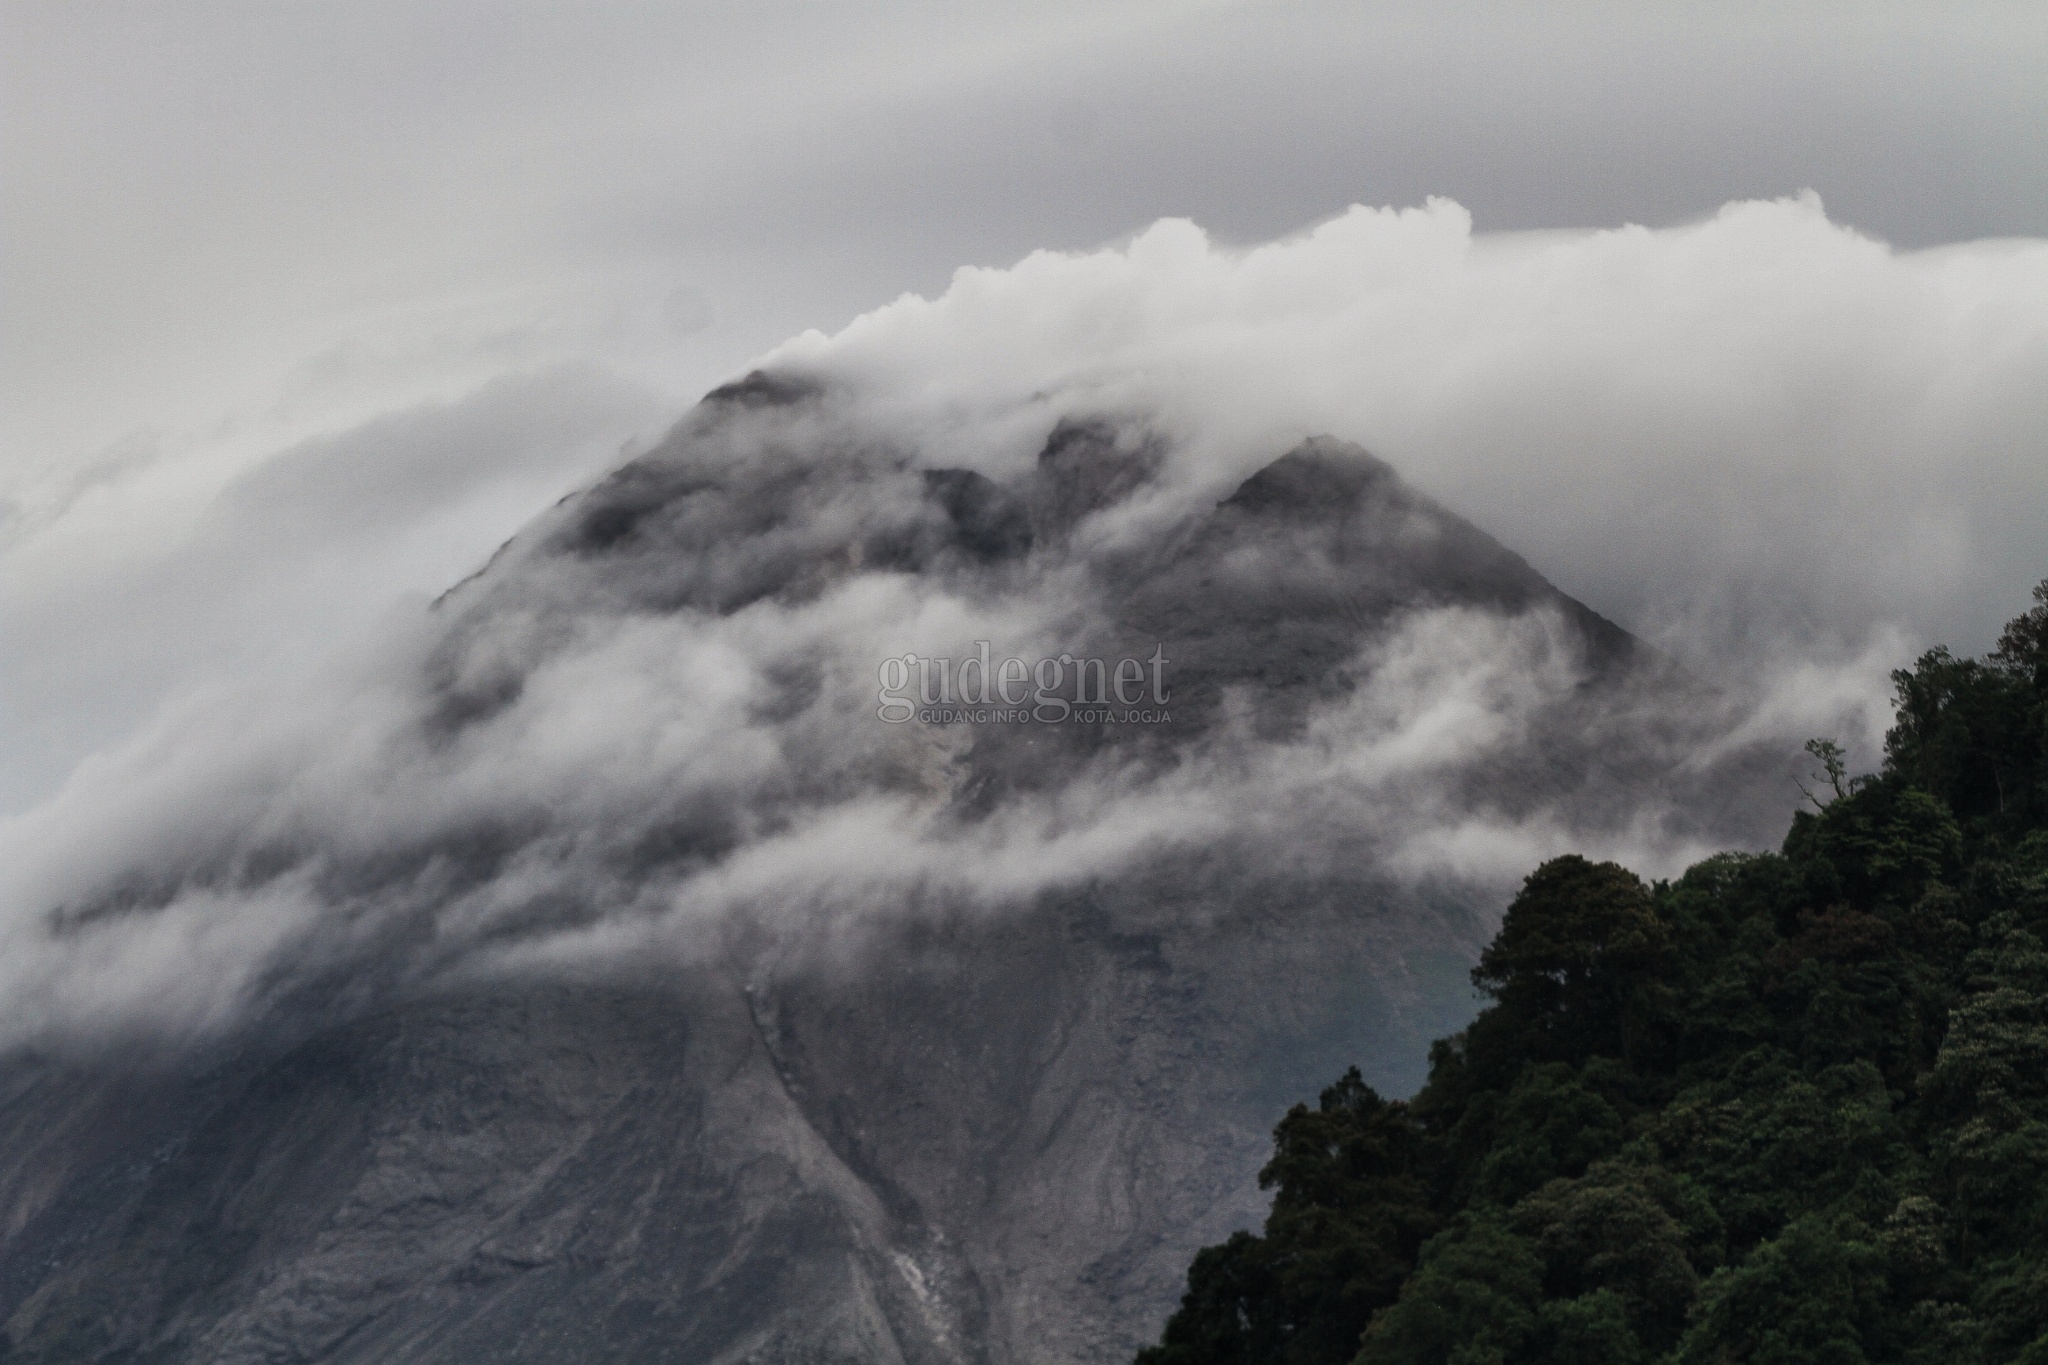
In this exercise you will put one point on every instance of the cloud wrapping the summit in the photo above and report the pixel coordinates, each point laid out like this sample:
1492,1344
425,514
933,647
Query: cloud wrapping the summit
1759,426
1780,449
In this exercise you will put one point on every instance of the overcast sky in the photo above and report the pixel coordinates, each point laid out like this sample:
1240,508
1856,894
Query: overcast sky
307,307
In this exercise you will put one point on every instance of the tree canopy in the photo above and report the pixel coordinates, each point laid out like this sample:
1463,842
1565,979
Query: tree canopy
1790,1109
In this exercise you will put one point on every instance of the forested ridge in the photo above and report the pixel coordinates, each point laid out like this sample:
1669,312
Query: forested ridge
1791,1107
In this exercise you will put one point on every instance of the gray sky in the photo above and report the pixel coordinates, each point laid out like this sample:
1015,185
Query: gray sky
309,306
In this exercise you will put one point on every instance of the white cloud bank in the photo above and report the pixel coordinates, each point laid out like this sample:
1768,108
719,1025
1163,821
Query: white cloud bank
1783,450
1760,424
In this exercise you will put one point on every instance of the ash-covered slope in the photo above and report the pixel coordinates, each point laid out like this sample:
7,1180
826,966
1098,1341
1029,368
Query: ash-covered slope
628,988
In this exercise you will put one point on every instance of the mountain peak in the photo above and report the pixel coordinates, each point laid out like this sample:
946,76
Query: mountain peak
876,1036
1320,478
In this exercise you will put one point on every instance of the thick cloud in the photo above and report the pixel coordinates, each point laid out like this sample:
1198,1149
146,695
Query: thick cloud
1761,425
1779,449
157,570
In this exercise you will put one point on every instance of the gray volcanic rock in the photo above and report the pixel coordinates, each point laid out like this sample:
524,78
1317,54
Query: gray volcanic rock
1000,1143
946,1128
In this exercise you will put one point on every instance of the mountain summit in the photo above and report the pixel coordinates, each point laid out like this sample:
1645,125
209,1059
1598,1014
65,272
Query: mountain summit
613,973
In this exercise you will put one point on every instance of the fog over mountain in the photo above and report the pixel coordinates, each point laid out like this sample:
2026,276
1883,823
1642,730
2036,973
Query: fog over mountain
1758,429
599,956
630,961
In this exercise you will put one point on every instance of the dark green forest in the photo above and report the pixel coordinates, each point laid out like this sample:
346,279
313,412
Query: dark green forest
1791,1107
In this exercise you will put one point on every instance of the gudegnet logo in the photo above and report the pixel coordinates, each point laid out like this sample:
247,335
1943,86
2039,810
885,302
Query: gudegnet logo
1048,690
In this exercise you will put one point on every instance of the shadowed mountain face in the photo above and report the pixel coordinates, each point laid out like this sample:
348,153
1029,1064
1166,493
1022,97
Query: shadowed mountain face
644,996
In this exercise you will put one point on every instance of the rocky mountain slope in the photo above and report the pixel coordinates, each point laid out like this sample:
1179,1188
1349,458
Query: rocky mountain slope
764,1030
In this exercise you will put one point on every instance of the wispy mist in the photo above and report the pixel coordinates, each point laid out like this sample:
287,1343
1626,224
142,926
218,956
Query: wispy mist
1783,453
1758,428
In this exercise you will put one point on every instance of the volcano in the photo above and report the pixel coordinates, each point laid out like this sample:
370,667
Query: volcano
628,989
